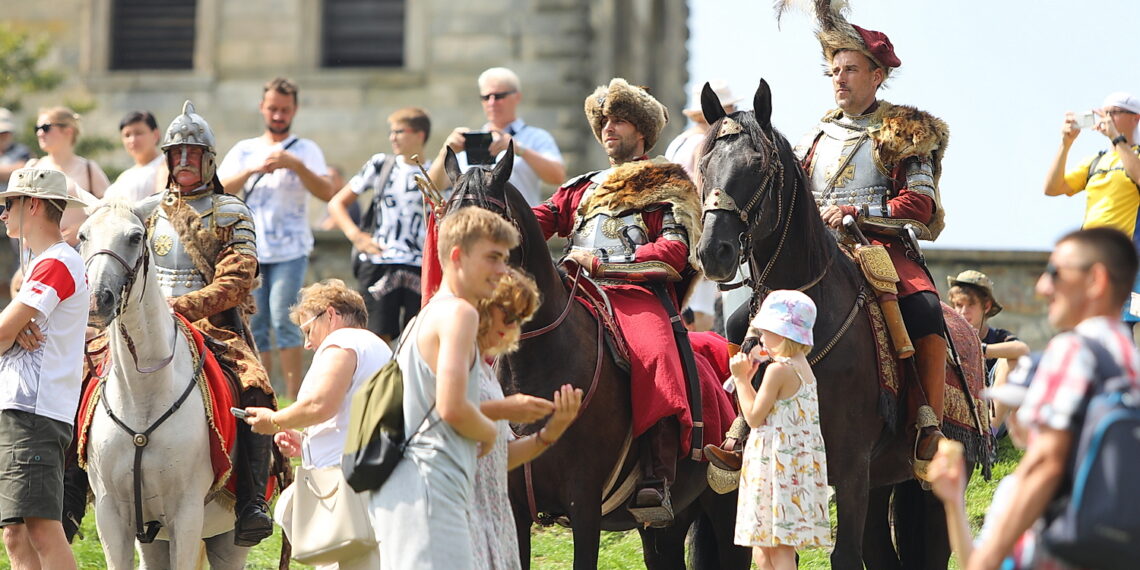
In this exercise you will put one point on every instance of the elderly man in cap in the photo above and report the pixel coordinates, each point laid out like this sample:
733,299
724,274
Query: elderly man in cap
41,368
13,154
1110,178
880,163
630,227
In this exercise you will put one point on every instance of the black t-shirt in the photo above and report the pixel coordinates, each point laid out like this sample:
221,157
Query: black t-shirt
994,336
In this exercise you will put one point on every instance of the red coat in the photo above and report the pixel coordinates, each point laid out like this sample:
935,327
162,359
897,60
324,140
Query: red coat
656,377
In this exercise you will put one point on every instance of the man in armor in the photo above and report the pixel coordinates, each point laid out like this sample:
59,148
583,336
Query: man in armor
206,262
881,163
630,227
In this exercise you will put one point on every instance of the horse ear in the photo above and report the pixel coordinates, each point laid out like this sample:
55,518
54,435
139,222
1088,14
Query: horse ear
710,104
451,166
762,105
501,174
144,209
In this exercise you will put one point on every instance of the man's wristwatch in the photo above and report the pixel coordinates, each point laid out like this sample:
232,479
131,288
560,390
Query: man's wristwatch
1119,139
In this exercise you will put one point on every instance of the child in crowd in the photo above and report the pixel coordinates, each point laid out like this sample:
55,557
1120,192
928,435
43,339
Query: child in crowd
972,295
501,317
783,484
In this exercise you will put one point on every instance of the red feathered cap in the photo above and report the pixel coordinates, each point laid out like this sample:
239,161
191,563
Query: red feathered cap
880,46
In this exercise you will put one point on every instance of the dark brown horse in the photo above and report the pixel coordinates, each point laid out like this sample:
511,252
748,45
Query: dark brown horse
772,222
562,345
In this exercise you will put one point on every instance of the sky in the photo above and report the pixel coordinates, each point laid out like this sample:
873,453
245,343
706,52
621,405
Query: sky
1001,73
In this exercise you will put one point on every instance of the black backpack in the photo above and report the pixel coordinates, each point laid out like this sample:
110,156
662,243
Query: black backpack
1095,521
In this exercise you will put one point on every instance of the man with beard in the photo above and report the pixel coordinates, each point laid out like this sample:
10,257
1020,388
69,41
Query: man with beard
277,171
205,257
629,228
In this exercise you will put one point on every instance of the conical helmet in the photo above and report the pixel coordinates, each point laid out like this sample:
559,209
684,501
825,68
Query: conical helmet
189,128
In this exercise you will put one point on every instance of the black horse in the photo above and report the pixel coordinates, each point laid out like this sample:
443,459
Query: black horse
759,208
564,344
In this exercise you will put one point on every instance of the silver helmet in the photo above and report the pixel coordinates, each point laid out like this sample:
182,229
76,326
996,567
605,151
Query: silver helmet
190,129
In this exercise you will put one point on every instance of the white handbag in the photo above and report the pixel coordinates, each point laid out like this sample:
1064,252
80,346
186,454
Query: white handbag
324,519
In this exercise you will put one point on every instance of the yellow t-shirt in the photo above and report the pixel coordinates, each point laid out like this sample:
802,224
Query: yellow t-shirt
1113,198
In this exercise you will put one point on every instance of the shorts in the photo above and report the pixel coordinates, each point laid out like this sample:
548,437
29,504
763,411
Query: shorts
32,451
391,295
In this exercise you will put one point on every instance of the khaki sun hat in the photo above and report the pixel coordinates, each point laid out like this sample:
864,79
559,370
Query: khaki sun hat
7,122
41,183
979,280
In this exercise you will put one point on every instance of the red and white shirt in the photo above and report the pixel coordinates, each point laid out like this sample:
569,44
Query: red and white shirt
1068,369
46,381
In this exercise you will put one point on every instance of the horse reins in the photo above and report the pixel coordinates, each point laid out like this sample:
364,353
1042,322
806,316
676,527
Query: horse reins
141,264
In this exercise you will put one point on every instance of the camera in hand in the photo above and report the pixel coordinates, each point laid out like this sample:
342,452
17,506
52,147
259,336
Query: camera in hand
1085,120
478,146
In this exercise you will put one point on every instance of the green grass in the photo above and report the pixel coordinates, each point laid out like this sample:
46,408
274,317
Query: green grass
553,547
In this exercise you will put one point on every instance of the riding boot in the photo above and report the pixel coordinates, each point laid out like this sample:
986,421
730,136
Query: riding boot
730,454
931,360
255,451
659,460
75,487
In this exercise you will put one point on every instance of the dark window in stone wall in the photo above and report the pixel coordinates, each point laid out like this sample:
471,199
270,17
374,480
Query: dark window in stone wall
152,34
362,33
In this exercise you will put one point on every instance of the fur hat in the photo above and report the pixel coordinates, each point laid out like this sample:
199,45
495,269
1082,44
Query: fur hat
836,34
634,104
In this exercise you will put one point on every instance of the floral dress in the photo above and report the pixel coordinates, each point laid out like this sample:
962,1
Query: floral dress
783,483
495,542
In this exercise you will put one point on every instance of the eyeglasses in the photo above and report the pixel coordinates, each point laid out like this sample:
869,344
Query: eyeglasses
509,317
7,207
1053,271
1115,112
306,327
498,96
46,127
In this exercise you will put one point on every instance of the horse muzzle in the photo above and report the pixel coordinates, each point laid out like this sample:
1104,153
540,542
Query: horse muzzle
104,307
719,248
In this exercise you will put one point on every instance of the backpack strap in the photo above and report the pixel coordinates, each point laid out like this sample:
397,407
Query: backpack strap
368,220
1093,165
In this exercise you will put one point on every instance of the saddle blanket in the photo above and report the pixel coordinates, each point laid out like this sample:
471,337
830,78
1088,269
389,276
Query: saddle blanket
217,396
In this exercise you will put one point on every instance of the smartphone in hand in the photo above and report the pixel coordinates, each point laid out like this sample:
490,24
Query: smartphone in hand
1085,120
478,147
239,413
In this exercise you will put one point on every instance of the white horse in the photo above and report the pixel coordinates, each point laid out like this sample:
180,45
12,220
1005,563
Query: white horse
156,462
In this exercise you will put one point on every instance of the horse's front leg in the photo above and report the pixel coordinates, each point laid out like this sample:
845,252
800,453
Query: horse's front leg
112,520
851,505
185,533
664,548
587,526
878,548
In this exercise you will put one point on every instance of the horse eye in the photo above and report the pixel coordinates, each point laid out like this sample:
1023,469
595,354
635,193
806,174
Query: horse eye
135,239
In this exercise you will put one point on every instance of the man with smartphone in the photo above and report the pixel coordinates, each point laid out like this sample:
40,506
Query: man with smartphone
537,158
1111,178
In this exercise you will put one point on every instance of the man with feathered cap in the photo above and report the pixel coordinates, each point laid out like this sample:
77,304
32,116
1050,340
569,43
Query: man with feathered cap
630,227
881,163
205,258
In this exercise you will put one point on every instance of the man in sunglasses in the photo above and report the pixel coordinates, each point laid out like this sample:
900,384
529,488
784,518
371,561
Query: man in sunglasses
1087,282
1111,178
537,158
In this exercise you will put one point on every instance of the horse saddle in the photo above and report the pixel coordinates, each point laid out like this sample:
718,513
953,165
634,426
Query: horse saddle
591,295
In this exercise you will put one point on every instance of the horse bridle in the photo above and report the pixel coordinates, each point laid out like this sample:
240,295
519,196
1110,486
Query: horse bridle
141,265
719,199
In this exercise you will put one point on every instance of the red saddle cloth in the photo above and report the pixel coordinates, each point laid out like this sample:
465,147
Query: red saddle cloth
217,395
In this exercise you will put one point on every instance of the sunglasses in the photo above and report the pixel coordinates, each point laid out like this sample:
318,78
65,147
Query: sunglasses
1053,271
7,205
46,127
498,96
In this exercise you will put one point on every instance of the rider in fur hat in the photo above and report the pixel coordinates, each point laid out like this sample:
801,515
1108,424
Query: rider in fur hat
630,227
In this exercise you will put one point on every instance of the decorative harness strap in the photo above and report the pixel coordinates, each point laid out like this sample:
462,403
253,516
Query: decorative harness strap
141,439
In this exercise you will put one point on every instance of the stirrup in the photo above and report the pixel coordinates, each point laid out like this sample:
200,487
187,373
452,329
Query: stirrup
657,516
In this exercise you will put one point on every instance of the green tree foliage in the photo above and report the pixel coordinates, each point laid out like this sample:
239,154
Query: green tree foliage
21,72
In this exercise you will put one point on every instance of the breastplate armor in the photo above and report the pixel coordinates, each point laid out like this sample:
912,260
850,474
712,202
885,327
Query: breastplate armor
176,272
861,184
612,239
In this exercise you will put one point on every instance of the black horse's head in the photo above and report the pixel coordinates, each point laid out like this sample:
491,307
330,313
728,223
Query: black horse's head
479,186
741,169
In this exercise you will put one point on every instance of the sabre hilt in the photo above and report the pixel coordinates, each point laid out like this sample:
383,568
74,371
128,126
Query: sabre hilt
853,229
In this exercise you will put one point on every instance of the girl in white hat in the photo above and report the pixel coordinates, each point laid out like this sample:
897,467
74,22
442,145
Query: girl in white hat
782,502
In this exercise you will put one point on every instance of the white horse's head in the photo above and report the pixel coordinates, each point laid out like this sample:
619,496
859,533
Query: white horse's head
113,244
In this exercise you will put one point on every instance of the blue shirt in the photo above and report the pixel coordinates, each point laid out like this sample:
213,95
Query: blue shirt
533,139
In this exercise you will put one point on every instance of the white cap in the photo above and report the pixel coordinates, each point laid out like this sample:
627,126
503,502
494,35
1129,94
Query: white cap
722,90
1123,100
7,123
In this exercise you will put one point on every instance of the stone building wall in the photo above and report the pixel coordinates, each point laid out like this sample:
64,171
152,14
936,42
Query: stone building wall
561,49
